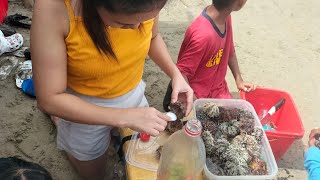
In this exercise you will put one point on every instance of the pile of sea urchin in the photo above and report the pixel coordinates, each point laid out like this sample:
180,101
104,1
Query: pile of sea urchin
233,143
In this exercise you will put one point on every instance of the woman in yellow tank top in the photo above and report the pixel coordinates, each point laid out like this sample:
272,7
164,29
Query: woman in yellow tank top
88,59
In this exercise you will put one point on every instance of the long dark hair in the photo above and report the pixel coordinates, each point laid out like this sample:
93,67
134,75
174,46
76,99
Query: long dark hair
95,26
13,168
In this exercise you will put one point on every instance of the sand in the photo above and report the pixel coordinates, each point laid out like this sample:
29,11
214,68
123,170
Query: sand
277,47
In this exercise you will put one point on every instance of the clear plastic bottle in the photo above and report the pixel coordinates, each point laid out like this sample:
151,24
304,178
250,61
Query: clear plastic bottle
183,156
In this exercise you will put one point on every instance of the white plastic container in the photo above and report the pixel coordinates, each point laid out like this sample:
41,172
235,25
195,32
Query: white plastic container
267,154
143,154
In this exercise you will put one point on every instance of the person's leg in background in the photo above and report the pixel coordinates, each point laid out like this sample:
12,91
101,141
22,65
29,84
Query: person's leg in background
3,10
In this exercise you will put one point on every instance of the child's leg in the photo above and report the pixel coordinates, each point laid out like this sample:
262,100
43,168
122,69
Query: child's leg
3,10
167,98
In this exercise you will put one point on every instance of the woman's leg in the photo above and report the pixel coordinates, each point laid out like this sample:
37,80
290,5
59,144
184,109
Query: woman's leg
90,170
86,147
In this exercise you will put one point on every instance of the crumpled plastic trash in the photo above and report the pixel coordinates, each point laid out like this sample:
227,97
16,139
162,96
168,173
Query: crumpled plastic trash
119,171
20,52
23,72
7,64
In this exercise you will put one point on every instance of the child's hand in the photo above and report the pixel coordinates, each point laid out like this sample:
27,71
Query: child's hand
312,139
313,132
245,86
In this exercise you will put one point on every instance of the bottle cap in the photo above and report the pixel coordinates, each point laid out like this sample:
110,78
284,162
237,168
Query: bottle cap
193,127
172,116
144,137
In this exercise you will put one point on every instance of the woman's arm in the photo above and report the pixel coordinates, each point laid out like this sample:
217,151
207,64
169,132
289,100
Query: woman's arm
160,55
49,28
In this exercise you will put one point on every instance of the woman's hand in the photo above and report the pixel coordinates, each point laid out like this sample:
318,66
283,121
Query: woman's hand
181,91
245,86
145,119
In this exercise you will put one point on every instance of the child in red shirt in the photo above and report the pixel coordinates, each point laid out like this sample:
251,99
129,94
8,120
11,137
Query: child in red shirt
208,50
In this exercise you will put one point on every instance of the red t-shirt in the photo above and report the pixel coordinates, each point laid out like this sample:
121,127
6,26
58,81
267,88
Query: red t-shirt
204,57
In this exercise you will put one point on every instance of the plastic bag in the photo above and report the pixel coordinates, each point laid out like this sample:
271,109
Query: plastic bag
7,64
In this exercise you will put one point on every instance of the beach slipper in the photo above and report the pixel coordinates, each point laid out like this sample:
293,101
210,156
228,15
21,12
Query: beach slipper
18,20
7,30
23,72
10,43
7,64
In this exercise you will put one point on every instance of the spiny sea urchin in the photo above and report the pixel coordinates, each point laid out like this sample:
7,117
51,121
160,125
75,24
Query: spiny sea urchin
258,134
178,109
237,153
208,141
246,124
249,143
209,125
258,167
221,146
174,126
228,113
236,160
235,169
201,115
230,128
211,109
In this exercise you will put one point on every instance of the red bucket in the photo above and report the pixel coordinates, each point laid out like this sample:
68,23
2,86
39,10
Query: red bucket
287,118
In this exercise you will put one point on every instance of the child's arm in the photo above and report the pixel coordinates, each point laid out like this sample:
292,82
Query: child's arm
312,156
312,163
234,67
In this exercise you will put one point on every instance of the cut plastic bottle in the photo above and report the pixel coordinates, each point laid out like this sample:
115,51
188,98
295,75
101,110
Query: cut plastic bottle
183,155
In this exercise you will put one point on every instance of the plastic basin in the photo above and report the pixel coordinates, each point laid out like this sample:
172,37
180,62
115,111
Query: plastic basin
267,154
287,118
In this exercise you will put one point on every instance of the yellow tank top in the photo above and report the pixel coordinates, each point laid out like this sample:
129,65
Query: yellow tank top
94,74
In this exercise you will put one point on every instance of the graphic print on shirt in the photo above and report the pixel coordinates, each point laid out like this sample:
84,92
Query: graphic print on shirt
215,59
